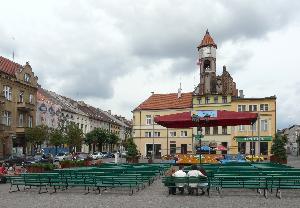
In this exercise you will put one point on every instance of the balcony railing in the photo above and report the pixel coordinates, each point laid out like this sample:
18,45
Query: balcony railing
25,106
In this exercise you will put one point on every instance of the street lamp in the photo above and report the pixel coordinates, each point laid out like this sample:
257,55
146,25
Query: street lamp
297,133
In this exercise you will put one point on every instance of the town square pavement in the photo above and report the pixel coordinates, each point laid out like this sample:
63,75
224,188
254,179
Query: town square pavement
155,195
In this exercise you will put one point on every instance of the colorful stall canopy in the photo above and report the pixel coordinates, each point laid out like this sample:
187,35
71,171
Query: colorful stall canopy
206,119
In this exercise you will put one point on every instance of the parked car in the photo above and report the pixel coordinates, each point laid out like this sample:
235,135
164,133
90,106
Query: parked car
80,156
15,159
108,155
43,158
60,157
97,155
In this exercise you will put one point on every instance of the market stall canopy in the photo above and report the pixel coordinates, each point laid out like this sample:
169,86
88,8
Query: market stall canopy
206,118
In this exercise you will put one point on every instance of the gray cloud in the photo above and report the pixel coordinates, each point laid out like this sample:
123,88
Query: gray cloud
79,48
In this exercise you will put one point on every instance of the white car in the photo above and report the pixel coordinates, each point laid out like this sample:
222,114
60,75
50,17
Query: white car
60,157
97,155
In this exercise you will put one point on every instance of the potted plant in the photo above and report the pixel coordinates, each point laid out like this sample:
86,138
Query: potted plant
132,152
278,150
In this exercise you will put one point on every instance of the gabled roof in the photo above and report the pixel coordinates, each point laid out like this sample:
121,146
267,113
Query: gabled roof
207,41
167,101
9,67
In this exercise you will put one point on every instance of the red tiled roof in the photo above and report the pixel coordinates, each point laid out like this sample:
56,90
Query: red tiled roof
9,67
167,101
207,41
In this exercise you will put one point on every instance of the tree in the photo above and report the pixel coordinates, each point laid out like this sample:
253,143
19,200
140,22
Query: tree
37,135
112,139
278,147
90,139
74,136
101,137
131,148
56,138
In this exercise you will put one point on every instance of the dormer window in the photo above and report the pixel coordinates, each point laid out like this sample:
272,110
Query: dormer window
26,77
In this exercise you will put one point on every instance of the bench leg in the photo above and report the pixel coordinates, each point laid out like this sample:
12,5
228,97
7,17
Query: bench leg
208,193
10,191
88,190
54,190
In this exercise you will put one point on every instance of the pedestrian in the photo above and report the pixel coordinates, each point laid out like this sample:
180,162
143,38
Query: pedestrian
3,172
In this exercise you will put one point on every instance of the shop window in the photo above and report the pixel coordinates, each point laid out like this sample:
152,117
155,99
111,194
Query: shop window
242,147
264,148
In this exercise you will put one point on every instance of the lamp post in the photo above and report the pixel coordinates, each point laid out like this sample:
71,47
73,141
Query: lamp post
199,135
297,140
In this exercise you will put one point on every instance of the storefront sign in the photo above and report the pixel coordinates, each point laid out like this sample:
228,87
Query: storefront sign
254,139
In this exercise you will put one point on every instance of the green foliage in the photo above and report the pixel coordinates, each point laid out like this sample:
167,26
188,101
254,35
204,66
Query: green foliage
74,135
37,135
131,148
46,166
90,138
56,137
278,149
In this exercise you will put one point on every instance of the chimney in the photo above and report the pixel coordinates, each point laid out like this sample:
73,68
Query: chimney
224,68
241,94
152,93
179,92
109,112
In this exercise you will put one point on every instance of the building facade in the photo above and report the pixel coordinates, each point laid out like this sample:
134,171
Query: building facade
214,92
18,106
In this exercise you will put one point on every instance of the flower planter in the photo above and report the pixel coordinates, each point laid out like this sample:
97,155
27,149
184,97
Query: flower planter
132,160
275,159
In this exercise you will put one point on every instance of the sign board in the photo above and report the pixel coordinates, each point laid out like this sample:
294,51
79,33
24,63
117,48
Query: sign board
254,139
198,137
196,115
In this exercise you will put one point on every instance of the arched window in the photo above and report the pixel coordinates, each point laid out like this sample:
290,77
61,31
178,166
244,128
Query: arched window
206,64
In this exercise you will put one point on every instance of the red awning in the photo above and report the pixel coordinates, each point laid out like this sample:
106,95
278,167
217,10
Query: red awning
222,118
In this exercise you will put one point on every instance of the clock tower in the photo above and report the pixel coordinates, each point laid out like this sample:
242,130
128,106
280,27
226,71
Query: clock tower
207,62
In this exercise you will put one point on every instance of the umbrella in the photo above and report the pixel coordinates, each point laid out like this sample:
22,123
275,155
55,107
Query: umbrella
221,148
206,119
204,148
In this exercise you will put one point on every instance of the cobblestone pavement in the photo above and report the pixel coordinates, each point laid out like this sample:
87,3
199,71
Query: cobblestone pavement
152,196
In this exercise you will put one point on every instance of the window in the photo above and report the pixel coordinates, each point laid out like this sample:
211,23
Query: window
30,121
148,119
215,130
21,119
21,97
26,77
264,107
199,101
216,99
148,134
207,100
157,134
241,108
224,99
224,129
242,147
183,133
31,100
7,118
252,107
264,125
242,128
7,92
254,127
207,130
172,133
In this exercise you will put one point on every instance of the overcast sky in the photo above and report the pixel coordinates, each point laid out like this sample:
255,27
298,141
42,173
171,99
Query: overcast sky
113,54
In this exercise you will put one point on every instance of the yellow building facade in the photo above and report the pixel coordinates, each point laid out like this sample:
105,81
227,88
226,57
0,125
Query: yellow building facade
214,92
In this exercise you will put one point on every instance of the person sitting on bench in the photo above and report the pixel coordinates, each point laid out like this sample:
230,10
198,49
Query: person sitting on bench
180,173
195,173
